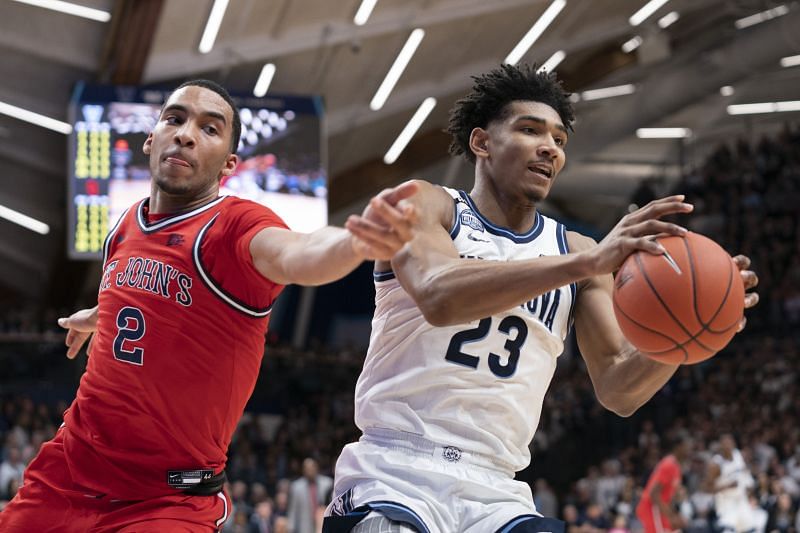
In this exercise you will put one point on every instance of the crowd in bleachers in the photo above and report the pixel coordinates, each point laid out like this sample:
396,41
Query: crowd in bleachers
589,466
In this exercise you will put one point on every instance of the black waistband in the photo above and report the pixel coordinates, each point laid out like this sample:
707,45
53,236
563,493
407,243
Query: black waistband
196,482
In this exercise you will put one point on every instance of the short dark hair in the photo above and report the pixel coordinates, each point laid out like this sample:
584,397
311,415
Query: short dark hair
493,91
236,132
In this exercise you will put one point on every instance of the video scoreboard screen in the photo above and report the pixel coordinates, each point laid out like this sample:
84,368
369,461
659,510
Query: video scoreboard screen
282,159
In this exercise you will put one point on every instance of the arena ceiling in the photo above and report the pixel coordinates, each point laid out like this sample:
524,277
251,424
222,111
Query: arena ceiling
676,72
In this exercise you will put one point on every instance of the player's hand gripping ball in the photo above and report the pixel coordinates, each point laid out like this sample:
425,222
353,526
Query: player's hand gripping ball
681,307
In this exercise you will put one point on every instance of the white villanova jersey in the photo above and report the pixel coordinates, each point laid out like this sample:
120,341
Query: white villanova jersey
477,386
732,471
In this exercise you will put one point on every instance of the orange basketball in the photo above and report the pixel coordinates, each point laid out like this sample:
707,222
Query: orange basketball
683,307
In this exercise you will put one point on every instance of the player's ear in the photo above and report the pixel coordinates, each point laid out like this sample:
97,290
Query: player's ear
230,165
148,144
479,142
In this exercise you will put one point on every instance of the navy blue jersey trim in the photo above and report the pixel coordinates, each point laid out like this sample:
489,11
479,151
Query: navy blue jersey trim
111,234
456,227
535,231
383,276
399,513
215,287
169,221
563,247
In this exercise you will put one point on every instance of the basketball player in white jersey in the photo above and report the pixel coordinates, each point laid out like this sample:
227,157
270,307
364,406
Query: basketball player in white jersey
470,318
730,479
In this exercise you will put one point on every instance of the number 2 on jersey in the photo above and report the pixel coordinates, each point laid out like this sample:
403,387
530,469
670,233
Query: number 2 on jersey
130,327
512,345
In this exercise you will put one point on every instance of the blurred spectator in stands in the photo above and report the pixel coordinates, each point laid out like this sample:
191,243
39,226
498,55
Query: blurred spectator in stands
545,499
307,499
11,469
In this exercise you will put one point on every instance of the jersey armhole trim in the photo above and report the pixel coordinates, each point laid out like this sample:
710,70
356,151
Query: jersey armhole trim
215,287
563,247
383,276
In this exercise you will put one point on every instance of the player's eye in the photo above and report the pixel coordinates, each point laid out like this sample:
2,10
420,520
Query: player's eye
211,130
171,119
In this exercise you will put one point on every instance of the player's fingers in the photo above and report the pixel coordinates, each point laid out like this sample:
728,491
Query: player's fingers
75,346
396,219
70,337
89,346
742,261
375,236
64,322
742,324
655,227
749,277
751,299
659,209
649,245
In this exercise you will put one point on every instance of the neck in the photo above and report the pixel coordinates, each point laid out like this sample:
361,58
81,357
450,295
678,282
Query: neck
162,202
507,211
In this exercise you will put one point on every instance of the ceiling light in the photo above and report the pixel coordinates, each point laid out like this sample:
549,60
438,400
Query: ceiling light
631,44
397,69
764,107
35,118
264,79
212,26
790,61
554,60
24,220
408,132
726,90
668,20
648,9
70,9
663,133
608,92
763,16
364,11
535,32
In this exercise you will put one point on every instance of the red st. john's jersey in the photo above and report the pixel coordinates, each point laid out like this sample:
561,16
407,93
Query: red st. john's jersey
668,474
182,314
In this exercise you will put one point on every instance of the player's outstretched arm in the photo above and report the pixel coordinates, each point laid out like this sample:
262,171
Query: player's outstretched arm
80,325
623,378
330,253
451,290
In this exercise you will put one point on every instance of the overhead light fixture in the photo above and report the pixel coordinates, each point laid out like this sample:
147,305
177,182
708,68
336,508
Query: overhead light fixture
764,107
608,92
554,60
212,26
397,69
24,220
35,118
408,132
364,11
668,20
648,9
726,90
535,32
790,61
631,44
70,9
763,16
663,133
264,79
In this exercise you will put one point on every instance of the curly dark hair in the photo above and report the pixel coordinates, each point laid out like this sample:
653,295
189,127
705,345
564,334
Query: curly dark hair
236,127
492,92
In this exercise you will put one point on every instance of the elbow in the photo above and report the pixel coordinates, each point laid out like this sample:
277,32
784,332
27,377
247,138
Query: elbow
620,404
435,305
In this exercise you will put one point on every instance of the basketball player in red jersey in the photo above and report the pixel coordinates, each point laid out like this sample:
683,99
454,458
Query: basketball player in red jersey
655,509
188,281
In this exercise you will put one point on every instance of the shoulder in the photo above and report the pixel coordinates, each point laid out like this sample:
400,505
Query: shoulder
239,211
433,202
578,242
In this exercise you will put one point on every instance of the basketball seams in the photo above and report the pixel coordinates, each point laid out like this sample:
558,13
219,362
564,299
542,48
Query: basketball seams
707,325
676,344
692,337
